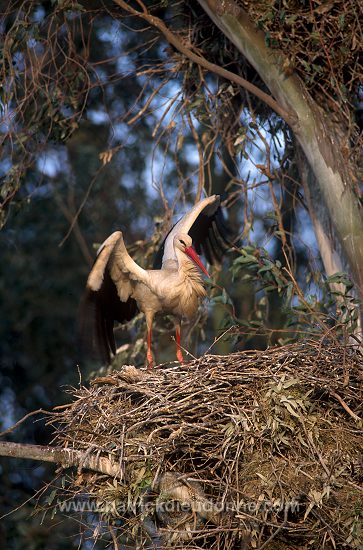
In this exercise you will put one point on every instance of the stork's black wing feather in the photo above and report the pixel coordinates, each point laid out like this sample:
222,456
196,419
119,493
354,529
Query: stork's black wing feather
99,309
211,237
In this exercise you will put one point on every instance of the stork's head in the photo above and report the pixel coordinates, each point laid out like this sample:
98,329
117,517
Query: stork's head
184,242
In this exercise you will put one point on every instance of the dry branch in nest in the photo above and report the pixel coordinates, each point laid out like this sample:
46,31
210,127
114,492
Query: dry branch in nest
251,450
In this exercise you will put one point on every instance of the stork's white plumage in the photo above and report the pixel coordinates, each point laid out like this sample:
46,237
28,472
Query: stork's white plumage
117,288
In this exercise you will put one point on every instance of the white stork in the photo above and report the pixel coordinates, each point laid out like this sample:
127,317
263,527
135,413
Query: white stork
117,288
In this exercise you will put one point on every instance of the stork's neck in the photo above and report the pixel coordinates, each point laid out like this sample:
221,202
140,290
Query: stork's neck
170,265
186,266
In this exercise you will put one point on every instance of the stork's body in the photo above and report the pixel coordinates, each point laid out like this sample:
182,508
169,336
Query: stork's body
117,287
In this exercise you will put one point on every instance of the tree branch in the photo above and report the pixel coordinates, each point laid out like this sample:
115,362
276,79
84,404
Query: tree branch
169,483
289,117
65,457
12,428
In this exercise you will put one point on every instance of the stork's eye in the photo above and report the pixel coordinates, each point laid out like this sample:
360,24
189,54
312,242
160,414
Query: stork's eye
182,242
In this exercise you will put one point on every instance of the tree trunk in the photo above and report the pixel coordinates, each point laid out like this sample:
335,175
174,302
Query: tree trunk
330,250
323,146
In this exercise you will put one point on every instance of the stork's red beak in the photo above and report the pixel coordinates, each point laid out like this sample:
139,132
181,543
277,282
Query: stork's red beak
194,256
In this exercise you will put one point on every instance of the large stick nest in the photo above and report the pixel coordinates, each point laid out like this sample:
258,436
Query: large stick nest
255,449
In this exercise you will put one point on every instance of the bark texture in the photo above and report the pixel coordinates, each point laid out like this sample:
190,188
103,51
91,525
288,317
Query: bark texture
64,457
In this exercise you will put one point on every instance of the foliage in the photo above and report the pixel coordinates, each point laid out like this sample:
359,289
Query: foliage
305,313
321,40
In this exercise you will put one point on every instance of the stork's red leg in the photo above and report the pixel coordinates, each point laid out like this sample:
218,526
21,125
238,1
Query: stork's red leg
149,354
179,354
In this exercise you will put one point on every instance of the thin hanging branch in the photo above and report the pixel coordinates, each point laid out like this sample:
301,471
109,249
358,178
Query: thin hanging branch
289,117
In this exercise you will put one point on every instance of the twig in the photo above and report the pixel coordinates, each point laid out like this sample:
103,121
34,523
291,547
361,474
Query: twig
275,533
224,73
201,175
12,428
344,405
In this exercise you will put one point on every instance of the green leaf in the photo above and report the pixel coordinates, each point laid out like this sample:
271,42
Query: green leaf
49,499
246,259
267,267
289,292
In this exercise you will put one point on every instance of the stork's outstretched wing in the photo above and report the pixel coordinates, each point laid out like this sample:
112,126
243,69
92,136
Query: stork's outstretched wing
206,225
108,297
115,276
